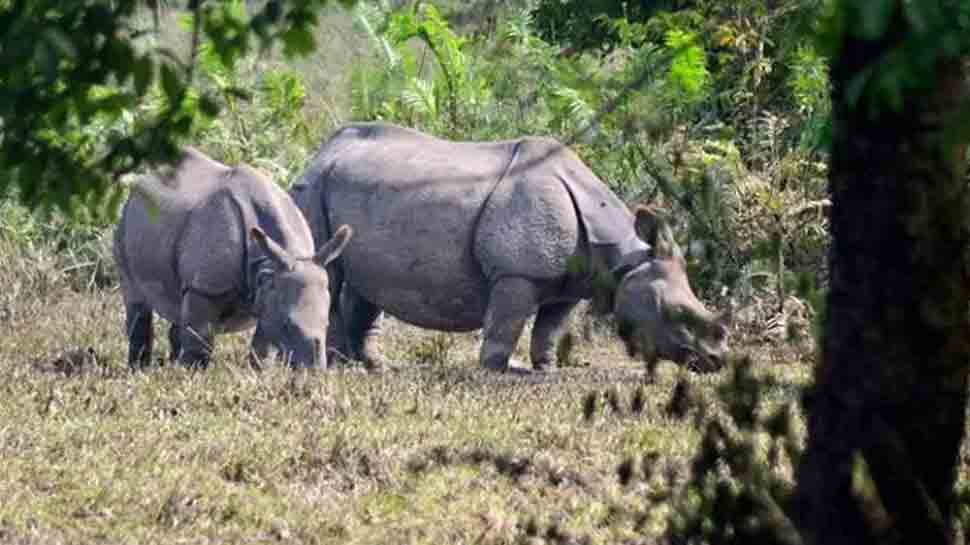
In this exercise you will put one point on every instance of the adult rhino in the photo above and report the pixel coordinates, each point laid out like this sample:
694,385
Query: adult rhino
457,236
217,249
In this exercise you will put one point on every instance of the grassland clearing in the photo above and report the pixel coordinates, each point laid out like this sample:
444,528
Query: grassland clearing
433,451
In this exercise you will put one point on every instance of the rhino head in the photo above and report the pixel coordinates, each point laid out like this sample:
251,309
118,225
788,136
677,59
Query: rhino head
292,301
656,310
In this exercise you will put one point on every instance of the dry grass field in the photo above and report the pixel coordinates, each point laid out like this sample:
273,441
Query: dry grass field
432,451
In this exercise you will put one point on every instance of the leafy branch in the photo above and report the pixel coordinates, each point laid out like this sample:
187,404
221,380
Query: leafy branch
84,99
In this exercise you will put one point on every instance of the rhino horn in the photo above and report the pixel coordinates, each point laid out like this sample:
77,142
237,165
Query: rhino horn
274,251
654,230
332,248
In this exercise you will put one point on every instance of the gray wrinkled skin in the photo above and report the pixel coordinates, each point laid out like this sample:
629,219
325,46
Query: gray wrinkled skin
214,249
658,314
457,236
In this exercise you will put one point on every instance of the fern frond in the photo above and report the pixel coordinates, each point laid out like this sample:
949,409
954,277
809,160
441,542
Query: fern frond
369,17
518,28
688,75
419,97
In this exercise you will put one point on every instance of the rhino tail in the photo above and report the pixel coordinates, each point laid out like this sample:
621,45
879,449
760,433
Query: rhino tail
332,248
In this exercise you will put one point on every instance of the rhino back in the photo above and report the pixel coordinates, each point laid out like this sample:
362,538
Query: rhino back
529,226
308,199
215,247
606,218
194,232
413,201
550,209
152,220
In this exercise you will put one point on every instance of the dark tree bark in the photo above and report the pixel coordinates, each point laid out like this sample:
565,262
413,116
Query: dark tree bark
891,386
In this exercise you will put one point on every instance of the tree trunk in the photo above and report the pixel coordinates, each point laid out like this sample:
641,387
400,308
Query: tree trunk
886,416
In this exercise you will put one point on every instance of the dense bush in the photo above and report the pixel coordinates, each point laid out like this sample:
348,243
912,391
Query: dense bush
715,112
71,72
585,24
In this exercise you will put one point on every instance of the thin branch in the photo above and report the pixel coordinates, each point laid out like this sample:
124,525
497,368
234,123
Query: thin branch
196,41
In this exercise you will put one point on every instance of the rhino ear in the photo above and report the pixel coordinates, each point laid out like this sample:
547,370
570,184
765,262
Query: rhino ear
280,257
333,247
653,229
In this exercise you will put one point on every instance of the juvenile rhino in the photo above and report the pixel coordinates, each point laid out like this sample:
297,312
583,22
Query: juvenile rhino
457,236
219,249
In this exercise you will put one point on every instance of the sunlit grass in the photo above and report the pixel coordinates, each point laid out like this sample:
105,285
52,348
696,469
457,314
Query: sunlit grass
429,452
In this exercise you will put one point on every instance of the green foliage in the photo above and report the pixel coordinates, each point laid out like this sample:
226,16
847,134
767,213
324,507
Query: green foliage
924,34
675,111
718,117
407,87
688,76
427,25
715,110
738,492
44,253
85,99
263,112
435,350
588,24
808,80
809,84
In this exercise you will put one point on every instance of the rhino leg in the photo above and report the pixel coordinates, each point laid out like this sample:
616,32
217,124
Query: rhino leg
138,324
261,349
363,325
510,303
174,343
196,333
546,333
337,348
196,345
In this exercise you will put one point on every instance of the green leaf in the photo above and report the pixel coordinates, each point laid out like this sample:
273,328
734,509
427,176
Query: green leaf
144,73
688,74
298,42
116,196
121,55
238,92
874,17
853,91
171,83
208,106
76,88
924,16
61,42
186,21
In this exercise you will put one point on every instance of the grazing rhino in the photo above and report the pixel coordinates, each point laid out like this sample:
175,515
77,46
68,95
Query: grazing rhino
457,236
217,249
